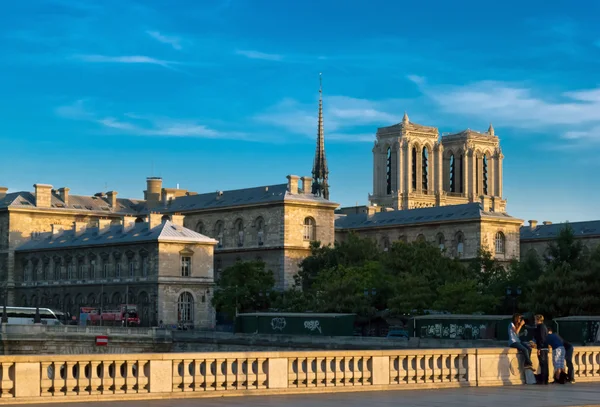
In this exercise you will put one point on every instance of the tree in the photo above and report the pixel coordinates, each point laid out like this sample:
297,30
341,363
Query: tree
246,286
462,297
566,249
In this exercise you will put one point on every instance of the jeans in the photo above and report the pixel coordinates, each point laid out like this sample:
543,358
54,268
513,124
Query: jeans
543,359
569,361
525,350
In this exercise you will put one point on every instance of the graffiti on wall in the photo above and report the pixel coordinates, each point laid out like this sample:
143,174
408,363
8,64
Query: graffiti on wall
454,331
312,326
278,324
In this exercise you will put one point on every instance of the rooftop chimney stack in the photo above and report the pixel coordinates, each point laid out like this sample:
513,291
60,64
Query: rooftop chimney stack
128,223
79,228
57,230
177,219
547,222
63,193
153,191
533,224
154,220
306,185
293,184
112,200
43,195
3,191
104,225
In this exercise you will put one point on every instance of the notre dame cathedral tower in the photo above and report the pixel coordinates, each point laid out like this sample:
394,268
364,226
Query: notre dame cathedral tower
412,168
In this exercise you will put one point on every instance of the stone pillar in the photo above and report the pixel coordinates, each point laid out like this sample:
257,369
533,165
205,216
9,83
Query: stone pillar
440,170
375,172
408,177
399,163
419,170
499,175
464,173
491,170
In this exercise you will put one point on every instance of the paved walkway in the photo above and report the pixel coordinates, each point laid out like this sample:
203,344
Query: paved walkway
530,396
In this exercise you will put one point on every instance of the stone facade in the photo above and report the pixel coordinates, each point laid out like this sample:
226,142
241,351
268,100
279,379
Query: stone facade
536,237
413,168
166,270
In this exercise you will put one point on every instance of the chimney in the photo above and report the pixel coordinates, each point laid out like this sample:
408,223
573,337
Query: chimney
152,192
306,185
63,193
57,230
128,223
154,220
177,219
112,200
547,222
104,225
79,228
43,195
533,224
293,184
3,191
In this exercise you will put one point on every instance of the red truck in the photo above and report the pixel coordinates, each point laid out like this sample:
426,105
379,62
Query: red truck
113,317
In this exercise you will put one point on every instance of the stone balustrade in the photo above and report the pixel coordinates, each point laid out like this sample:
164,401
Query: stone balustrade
44,378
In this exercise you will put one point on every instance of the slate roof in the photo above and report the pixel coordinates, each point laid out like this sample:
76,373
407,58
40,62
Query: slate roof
238,197
25,199
470,211
396,128
546,232
166,231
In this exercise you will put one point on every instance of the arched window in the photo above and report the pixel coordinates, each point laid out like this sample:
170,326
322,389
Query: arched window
500,243
385,244
310,229
460,244
425,169
57,269
389,171
452,173
414,168
185,308
91,299
200,227
238,227
421,238
441,241
219,233
260,230
484,164
116,299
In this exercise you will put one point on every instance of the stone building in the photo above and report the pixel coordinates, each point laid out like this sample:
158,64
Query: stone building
414,168
458,230
445,191
537,237
163,267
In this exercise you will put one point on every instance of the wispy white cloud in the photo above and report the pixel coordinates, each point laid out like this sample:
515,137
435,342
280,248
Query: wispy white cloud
173,41
347,118
259,55
140,125
573,114
126,59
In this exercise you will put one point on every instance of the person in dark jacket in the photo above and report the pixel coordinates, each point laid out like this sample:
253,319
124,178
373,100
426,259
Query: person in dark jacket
539,336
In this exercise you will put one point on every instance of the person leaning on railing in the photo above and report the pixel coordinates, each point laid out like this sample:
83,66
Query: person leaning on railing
515,342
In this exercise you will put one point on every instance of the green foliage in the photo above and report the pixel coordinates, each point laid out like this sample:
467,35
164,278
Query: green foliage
244,287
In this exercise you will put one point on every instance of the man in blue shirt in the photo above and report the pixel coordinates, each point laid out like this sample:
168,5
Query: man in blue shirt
515,342
539,335
558,354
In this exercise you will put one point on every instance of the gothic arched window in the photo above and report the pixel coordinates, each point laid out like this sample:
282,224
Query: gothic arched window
185,308
484,164
389,171
239,231
414,168
452,173
200,227
460,244
441,241
219,233
310,229
500,243
260,230
425,169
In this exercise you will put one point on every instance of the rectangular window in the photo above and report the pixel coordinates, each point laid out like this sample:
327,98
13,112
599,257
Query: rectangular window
57,271
118,273
131,269
186,266
71,272
105,271
81,272
93,270
145,267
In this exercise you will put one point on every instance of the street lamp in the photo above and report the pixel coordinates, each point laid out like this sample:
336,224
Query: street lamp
513,294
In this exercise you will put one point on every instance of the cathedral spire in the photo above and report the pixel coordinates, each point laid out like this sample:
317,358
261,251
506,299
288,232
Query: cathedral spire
320,173
405,118
491,130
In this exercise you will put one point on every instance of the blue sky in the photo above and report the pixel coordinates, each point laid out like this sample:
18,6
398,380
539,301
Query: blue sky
222,94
